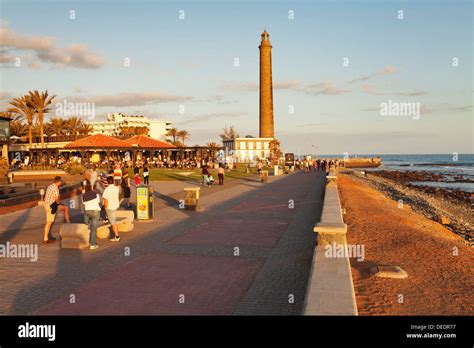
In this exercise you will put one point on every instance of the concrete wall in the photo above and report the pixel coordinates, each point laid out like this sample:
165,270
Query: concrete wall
330,288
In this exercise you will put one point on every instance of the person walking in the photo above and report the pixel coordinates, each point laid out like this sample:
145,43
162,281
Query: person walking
52,204
145,174
91,202
220,174
126,187
111,204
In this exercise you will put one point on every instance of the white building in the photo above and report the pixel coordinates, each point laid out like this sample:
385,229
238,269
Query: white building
248,149
111,127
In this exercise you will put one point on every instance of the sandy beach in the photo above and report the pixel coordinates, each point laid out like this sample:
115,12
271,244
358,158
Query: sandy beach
438,261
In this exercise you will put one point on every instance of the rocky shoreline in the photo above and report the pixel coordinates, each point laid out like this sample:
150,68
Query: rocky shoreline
451,208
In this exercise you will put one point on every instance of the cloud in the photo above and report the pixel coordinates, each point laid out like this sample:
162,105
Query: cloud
461,108
44,50
5,95
293,85
210,116
219,99
373,91
305,125
239,86
384,71
411,94
131,99
324,87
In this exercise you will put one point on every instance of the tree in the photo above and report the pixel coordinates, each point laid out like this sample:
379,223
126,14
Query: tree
228,134
232,133
183,135
73,125
86,129
173,132
213,147
130,131
23,108
18,128
56,125
225,134
40,102
275,151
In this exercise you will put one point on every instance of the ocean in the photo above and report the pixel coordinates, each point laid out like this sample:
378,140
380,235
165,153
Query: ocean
457,171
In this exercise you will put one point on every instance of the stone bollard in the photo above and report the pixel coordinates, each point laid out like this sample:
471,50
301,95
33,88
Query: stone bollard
264,176
191,198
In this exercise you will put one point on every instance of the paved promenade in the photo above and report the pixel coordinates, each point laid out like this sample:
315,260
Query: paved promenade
246,251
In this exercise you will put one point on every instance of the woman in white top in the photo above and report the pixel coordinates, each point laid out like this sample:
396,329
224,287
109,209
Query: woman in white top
91,202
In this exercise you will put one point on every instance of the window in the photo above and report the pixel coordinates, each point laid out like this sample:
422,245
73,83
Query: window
251,145
242,145
259,145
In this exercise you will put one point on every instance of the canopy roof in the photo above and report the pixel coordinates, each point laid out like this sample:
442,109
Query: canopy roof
144,142
98,141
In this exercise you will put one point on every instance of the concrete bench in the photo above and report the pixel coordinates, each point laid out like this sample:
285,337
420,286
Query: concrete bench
74,236
191,198
125,219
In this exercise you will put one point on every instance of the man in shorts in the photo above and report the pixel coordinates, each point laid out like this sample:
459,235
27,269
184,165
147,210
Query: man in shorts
52,204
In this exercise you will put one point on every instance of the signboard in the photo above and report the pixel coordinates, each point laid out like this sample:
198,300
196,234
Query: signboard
289,159
142,203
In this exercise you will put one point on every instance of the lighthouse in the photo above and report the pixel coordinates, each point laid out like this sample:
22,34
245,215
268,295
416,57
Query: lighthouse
251,149
266,87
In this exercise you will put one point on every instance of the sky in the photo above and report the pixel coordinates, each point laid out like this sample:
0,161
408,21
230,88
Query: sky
196,63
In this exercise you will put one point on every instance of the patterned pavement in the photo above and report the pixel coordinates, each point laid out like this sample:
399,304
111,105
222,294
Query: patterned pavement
245,252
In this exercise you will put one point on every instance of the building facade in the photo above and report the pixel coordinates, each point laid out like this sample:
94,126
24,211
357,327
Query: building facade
248,149
112,126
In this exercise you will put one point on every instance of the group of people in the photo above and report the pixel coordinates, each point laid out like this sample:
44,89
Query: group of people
208,179
101,196
323,165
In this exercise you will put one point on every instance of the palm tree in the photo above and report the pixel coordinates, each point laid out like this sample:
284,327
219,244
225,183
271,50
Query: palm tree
56,125
225,134
18,128
40,101
73,125
184,135
23,108
36,130
213,147
232,133
86,129
173,132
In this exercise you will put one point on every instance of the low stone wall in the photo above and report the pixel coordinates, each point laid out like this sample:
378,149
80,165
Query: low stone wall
330,289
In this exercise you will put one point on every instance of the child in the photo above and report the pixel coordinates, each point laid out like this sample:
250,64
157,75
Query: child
137,179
